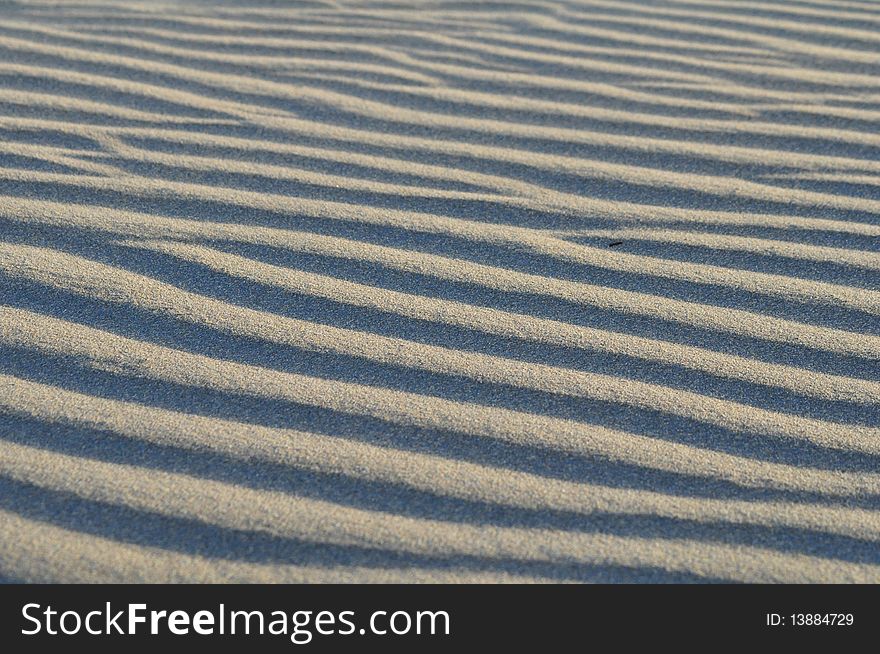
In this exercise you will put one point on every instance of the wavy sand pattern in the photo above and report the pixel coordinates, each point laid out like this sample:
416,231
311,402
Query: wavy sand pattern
348,291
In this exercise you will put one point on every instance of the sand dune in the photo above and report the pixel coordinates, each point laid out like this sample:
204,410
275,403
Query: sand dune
352,291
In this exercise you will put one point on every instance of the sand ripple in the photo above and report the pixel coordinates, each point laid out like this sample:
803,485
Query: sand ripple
552,291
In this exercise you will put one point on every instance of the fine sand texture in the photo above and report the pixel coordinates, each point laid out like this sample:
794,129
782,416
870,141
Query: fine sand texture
456,291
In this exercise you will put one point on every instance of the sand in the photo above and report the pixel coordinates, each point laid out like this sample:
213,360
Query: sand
468,292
